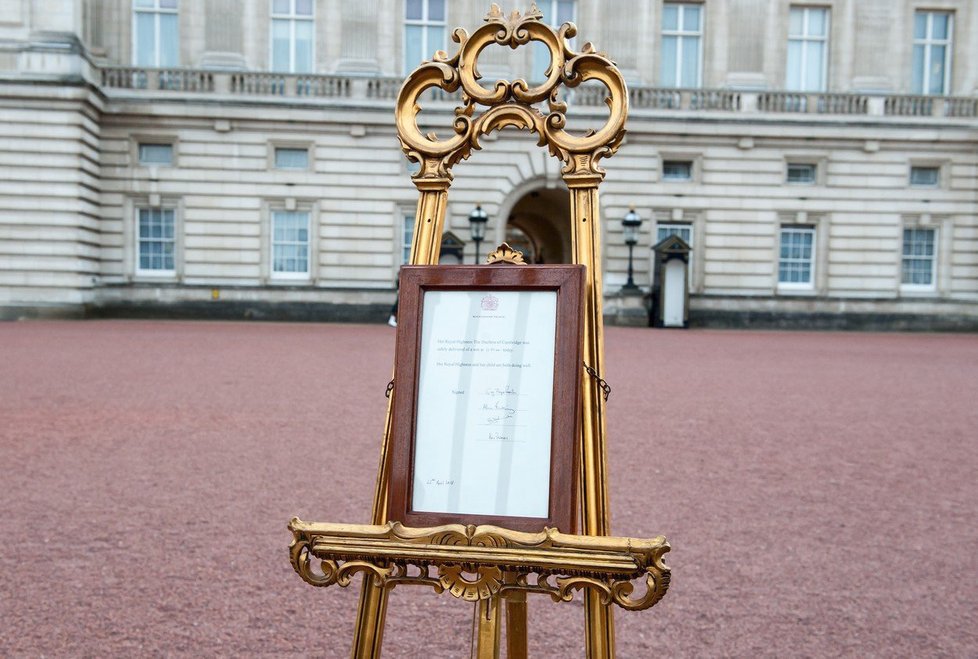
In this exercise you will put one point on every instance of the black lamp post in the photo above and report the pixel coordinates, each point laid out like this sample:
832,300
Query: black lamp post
477,224
630,225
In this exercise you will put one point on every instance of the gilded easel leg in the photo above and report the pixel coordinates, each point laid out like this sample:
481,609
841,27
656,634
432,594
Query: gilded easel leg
599,628
485,629
586,243
368,636
428,223
515,622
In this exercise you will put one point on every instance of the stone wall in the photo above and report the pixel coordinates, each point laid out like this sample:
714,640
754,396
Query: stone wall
71,183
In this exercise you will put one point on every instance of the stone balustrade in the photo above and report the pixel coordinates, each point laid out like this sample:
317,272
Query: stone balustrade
377,88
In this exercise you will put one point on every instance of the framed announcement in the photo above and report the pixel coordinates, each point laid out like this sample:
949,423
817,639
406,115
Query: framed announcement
487,396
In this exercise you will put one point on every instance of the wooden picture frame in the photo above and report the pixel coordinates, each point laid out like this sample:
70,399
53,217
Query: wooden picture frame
487,387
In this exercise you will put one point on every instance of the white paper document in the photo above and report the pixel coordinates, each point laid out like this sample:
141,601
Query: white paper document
485,403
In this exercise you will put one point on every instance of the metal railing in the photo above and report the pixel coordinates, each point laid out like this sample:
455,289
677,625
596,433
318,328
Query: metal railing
262,83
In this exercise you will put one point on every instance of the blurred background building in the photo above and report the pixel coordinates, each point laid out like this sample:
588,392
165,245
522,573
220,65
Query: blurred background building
229,158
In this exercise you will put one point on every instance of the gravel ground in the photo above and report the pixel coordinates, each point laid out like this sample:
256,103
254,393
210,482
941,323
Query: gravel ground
819,491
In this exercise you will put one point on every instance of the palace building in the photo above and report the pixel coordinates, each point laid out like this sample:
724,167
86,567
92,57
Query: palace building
238,158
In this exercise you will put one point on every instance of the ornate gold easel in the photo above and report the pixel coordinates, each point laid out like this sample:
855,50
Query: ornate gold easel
506,564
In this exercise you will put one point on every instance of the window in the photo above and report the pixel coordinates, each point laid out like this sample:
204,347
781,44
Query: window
292,36
931,52
802,173
555,14
291,158
684,231
424,31
156,241
795,262
155,154
155,40
925,176
682,45
677,170
918,262
290,244
408,235
808,34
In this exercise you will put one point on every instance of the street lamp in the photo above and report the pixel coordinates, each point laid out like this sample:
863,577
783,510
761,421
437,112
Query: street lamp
477,224
630,225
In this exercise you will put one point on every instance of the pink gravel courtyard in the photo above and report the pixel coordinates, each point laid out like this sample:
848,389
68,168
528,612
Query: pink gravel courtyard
820,491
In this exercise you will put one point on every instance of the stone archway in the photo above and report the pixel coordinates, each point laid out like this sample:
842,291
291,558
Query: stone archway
538,225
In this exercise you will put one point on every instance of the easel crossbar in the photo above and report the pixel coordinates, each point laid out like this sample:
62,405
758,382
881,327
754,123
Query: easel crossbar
501,560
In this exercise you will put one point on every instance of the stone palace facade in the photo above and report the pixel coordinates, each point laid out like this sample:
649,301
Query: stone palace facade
237,158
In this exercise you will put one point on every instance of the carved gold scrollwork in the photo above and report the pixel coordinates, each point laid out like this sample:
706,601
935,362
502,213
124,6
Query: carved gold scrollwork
330,571
510,103
302,564
514,31
499,561
656,584
487,582
506,254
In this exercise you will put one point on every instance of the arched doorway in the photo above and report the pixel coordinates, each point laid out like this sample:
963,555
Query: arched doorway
539,225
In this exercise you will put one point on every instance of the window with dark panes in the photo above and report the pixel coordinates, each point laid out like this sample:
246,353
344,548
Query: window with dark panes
677,170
